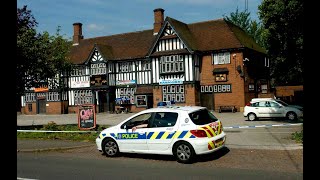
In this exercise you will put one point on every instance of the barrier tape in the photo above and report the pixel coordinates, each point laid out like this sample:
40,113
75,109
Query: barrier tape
225,127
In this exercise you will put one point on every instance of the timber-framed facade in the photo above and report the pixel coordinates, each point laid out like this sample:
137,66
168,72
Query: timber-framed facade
212,63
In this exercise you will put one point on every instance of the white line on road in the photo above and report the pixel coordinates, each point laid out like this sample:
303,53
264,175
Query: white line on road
19,178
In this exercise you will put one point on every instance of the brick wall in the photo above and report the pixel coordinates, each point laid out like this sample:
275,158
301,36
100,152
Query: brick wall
54,108
157,95
190,95
25,110
237,96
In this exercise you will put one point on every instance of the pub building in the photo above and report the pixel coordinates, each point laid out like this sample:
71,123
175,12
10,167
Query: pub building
211,63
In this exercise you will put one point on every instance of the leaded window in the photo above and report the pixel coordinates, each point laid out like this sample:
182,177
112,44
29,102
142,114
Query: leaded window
171,64
83,97
173,93
53,96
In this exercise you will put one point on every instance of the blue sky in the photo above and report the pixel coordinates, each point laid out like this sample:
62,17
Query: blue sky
108,17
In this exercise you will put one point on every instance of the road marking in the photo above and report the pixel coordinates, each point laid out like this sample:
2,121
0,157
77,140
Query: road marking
19,178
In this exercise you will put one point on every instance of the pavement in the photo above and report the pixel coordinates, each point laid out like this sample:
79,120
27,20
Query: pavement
261,134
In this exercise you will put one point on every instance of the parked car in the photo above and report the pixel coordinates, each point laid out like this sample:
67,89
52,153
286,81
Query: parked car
181,131
271,108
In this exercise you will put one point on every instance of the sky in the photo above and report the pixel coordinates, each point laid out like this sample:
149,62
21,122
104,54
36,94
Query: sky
109,17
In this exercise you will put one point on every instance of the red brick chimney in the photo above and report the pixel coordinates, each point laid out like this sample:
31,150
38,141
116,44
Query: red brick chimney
158,20
77,33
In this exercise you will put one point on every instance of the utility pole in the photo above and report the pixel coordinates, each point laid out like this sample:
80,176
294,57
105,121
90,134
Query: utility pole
246,5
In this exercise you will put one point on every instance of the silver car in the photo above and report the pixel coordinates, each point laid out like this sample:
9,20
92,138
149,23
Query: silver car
271,108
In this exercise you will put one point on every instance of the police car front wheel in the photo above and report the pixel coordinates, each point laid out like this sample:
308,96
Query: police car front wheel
110,147
184,152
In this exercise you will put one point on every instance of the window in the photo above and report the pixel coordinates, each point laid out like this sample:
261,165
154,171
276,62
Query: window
83,97
125,95
264,88
98,69
30,107
173,93
78,71
164,119
30,97
141,100
202,117
125,67
251,87
171,64
221,58
53,96
146,65
141,119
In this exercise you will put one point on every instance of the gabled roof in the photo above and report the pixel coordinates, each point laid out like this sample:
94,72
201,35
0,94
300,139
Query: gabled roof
214,35
221,35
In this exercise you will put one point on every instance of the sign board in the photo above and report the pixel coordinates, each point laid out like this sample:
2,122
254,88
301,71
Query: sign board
170,81
86,116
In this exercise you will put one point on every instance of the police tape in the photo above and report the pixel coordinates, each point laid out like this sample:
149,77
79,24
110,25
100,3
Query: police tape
225,127
261,126
19,130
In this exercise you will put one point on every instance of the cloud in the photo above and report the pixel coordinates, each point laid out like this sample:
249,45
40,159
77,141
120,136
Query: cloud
95,27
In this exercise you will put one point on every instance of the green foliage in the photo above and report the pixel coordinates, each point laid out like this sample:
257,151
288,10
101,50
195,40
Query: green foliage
283,21
252,28
40,57
52,126
298,136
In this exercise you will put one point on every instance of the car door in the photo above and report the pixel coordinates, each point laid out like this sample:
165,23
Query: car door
133,141
263,109
276,110
162,130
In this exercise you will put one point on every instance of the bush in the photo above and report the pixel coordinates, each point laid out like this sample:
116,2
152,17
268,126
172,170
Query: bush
298,136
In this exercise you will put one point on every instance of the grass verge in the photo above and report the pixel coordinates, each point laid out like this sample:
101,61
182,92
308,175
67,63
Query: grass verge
52,126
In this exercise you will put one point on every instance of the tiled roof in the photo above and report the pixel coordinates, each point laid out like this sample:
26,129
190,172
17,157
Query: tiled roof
116,47
220,35
212,35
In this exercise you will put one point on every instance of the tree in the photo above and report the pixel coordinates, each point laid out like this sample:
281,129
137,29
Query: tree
40,56
251,27
283,21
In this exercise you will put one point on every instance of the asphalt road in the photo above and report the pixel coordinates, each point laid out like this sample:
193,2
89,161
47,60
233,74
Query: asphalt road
86,163
254,150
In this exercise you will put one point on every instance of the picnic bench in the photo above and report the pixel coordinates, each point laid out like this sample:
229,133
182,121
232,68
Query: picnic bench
227,108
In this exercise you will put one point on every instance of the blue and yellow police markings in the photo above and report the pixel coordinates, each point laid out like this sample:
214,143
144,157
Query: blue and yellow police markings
151,135
107,134
131,136
170,135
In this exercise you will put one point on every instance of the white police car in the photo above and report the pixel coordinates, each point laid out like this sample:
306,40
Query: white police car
182,131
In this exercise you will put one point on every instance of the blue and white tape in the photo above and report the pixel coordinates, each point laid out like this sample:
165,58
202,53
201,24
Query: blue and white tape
258,126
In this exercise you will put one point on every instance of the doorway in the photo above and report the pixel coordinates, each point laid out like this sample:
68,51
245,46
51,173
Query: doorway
41,106
103,101
207,100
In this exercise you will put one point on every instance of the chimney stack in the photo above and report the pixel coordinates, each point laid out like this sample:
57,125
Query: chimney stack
158,20
77,33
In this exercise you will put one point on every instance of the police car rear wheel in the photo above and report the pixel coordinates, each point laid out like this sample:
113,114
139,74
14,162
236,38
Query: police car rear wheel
183,152
110,147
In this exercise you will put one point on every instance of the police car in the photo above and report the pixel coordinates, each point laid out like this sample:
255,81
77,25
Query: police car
181,131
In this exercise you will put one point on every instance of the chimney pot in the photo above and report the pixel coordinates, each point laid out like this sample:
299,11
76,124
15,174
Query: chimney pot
158,20
77,33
